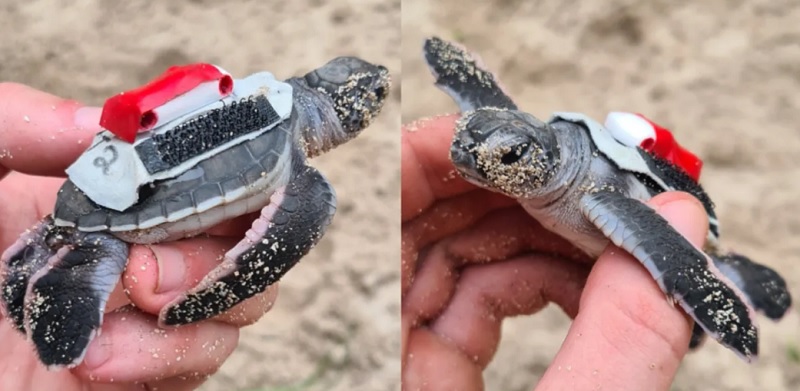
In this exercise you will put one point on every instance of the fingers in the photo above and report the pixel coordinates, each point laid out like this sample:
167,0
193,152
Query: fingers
627,336
433,287
463,338
426,170
132,348
158,274
443,219
235,227
41,134
500,235
487,294
24,200
474,237
507,232
435,365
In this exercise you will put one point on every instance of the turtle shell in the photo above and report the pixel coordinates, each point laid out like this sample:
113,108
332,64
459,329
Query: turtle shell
227,153
229,179
111,171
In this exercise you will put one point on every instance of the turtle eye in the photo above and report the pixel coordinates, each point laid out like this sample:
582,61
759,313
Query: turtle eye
515,154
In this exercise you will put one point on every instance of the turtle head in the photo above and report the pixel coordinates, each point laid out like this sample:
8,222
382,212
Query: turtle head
357,88
506,151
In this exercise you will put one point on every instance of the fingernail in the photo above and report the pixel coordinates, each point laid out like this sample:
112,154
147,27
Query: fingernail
99,353
88,117
171,268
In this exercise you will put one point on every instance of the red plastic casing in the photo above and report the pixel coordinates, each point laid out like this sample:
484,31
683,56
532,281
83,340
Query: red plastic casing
668,148
130,112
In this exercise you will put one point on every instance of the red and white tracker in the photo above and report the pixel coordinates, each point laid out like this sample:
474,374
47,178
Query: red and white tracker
179,90
637,130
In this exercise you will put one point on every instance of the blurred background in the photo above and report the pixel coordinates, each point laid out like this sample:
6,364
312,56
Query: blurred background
336,323
722,74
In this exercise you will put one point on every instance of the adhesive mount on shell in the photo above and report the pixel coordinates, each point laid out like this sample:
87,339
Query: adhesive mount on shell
636,130
207,131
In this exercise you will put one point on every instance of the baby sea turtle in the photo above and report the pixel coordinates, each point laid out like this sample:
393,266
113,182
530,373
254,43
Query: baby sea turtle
580,182
185,152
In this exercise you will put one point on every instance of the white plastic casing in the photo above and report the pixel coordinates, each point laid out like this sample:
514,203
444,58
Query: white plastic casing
629,129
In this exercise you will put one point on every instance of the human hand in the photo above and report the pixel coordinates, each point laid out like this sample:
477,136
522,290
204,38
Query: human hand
40,135
471,258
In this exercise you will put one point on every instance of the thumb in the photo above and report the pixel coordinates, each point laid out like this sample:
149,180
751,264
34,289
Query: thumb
41,134
627,336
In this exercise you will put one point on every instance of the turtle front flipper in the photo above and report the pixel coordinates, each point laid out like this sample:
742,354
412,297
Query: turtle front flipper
683,271
287,229
56,283
461,75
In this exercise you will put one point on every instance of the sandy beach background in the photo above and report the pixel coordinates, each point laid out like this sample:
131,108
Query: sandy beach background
335,325
723,75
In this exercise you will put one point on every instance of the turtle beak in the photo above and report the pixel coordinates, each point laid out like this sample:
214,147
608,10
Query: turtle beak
466,163
461,158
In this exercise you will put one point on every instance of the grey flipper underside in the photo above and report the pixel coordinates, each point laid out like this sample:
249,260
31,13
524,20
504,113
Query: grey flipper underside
295,220
682,271
68,276
462,76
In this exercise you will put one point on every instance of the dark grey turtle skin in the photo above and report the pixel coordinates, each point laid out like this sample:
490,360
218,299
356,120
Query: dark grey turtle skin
561,178
57,278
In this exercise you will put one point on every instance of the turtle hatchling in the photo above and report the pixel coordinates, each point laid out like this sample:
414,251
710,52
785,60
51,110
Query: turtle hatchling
588,182
188,150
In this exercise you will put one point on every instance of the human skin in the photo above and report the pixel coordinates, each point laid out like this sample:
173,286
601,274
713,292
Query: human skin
471,258
40,135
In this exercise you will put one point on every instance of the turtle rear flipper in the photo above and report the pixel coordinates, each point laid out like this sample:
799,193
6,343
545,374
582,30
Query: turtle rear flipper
287,229
683,272
763,288
18,263
698,337
461,75
61,281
